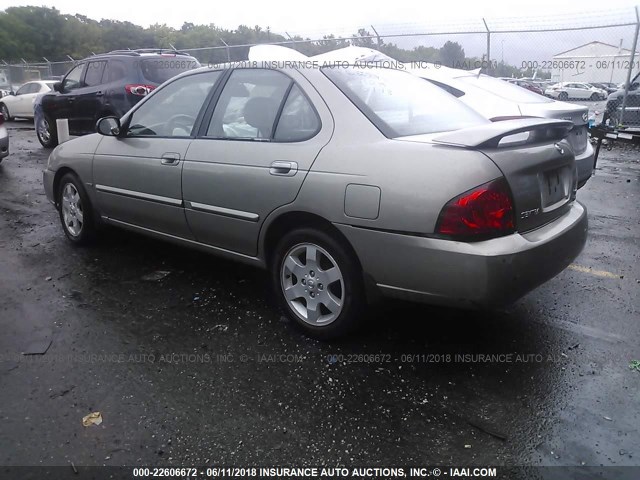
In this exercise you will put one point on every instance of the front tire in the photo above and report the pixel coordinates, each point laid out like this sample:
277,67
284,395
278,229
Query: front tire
76,213
594,97
318,283
5,112
46,132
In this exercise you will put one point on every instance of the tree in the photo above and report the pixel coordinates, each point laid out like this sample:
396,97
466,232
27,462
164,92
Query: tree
452,55
364,39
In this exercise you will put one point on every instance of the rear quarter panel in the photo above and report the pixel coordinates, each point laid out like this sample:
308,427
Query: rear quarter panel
415,179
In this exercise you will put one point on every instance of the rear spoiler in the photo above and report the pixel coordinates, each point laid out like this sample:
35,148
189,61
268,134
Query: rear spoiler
490,135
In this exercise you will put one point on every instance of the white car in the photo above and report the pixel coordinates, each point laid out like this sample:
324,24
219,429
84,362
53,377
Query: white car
21,104
582,91
493,98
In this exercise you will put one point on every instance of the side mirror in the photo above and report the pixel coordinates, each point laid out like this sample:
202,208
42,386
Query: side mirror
634,86
12,93
58,87
108,126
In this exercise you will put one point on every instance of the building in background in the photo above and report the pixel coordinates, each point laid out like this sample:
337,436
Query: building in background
593,62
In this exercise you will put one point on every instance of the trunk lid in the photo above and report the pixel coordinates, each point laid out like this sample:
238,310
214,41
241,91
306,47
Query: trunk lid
577,114
535,160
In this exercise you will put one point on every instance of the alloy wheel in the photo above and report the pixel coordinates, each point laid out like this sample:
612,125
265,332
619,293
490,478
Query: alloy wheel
72,213
44,131
312,284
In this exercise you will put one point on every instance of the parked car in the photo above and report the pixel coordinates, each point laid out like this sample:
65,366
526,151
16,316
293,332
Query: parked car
606,86
20,104
613,110
575,90
340,181
4,139
107,84
528,85
492,98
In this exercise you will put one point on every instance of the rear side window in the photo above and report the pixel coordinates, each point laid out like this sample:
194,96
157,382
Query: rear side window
249,105
298,121
115,71
94,74
161,69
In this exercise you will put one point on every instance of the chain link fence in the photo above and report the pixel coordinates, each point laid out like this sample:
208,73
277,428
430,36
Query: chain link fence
590,48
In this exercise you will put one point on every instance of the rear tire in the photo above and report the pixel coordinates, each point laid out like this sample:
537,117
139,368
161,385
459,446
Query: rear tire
5,112
76,213
318,283
563,96
47,133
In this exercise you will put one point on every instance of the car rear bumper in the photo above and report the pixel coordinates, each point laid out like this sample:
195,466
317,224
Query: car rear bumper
4,143
481,274
584,164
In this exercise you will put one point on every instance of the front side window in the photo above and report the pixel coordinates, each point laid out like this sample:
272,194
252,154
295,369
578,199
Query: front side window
24,89
94,74
73,79
401,104
249,104
172,111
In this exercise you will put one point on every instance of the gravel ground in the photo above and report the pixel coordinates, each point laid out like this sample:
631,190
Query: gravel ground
199,367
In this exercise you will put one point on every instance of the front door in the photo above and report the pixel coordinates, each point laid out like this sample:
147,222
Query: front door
88,98
64,103
137,177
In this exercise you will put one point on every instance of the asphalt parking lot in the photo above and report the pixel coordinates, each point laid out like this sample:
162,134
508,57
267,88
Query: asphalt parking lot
189,362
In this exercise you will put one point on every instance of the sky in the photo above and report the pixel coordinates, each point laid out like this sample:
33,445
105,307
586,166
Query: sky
343,18
315,18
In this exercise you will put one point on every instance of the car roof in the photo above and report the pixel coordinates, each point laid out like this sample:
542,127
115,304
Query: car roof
141,52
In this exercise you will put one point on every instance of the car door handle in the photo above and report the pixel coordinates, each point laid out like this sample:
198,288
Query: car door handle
284,169
170,159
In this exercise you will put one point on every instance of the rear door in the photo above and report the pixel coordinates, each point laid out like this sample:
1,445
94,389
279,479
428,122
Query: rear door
252,154
138,177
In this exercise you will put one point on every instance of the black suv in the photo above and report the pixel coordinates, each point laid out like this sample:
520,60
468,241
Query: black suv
632,109
104,85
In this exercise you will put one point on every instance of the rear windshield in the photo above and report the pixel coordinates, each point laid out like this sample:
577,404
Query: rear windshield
161,69
504,89
401,104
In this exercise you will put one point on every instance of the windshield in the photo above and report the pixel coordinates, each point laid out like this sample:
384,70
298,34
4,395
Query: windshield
503,89
401,104
161,69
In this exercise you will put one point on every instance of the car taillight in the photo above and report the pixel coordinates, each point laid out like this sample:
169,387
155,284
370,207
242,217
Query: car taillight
140,90
483,212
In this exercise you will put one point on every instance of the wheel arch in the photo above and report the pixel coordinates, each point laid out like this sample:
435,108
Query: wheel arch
294,219
61,172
